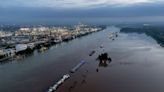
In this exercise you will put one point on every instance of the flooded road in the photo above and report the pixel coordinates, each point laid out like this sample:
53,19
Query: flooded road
137,66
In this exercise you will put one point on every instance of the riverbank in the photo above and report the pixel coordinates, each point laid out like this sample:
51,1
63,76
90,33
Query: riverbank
137,63
43,69
26,40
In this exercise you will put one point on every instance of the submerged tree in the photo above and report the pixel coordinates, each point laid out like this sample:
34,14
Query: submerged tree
103,58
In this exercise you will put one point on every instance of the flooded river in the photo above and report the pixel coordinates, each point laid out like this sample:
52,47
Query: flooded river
137,66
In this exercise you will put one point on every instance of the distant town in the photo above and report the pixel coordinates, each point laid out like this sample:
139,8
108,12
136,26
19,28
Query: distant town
27,39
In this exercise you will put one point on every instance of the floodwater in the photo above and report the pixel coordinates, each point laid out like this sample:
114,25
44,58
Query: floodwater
137,66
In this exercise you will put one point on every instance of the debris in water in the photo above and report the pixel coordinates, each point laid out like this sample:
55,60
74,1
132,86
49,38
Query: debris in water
77,66
55,86
101,46
92,52
97,70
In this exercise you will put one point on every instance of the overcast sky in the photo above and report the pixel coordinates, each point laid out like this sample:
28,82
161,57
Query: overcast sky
65,11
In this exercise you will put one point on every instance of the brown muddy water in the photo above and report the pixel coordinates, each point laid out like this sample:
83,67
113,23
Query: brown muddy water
137,66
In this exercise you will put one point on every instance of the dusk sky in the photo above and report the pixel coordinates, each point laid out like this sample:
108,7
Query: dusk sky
72,11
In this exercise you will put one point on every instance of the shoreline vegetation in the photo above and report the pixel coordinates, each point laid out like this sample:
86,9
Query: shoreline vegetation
157,33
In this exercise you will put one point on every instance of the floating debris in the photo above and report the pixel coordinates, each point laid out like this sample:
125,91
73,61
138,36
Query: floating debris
101,46
113,35
55,86
92,52
97,70
116,35
42,49
77,66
